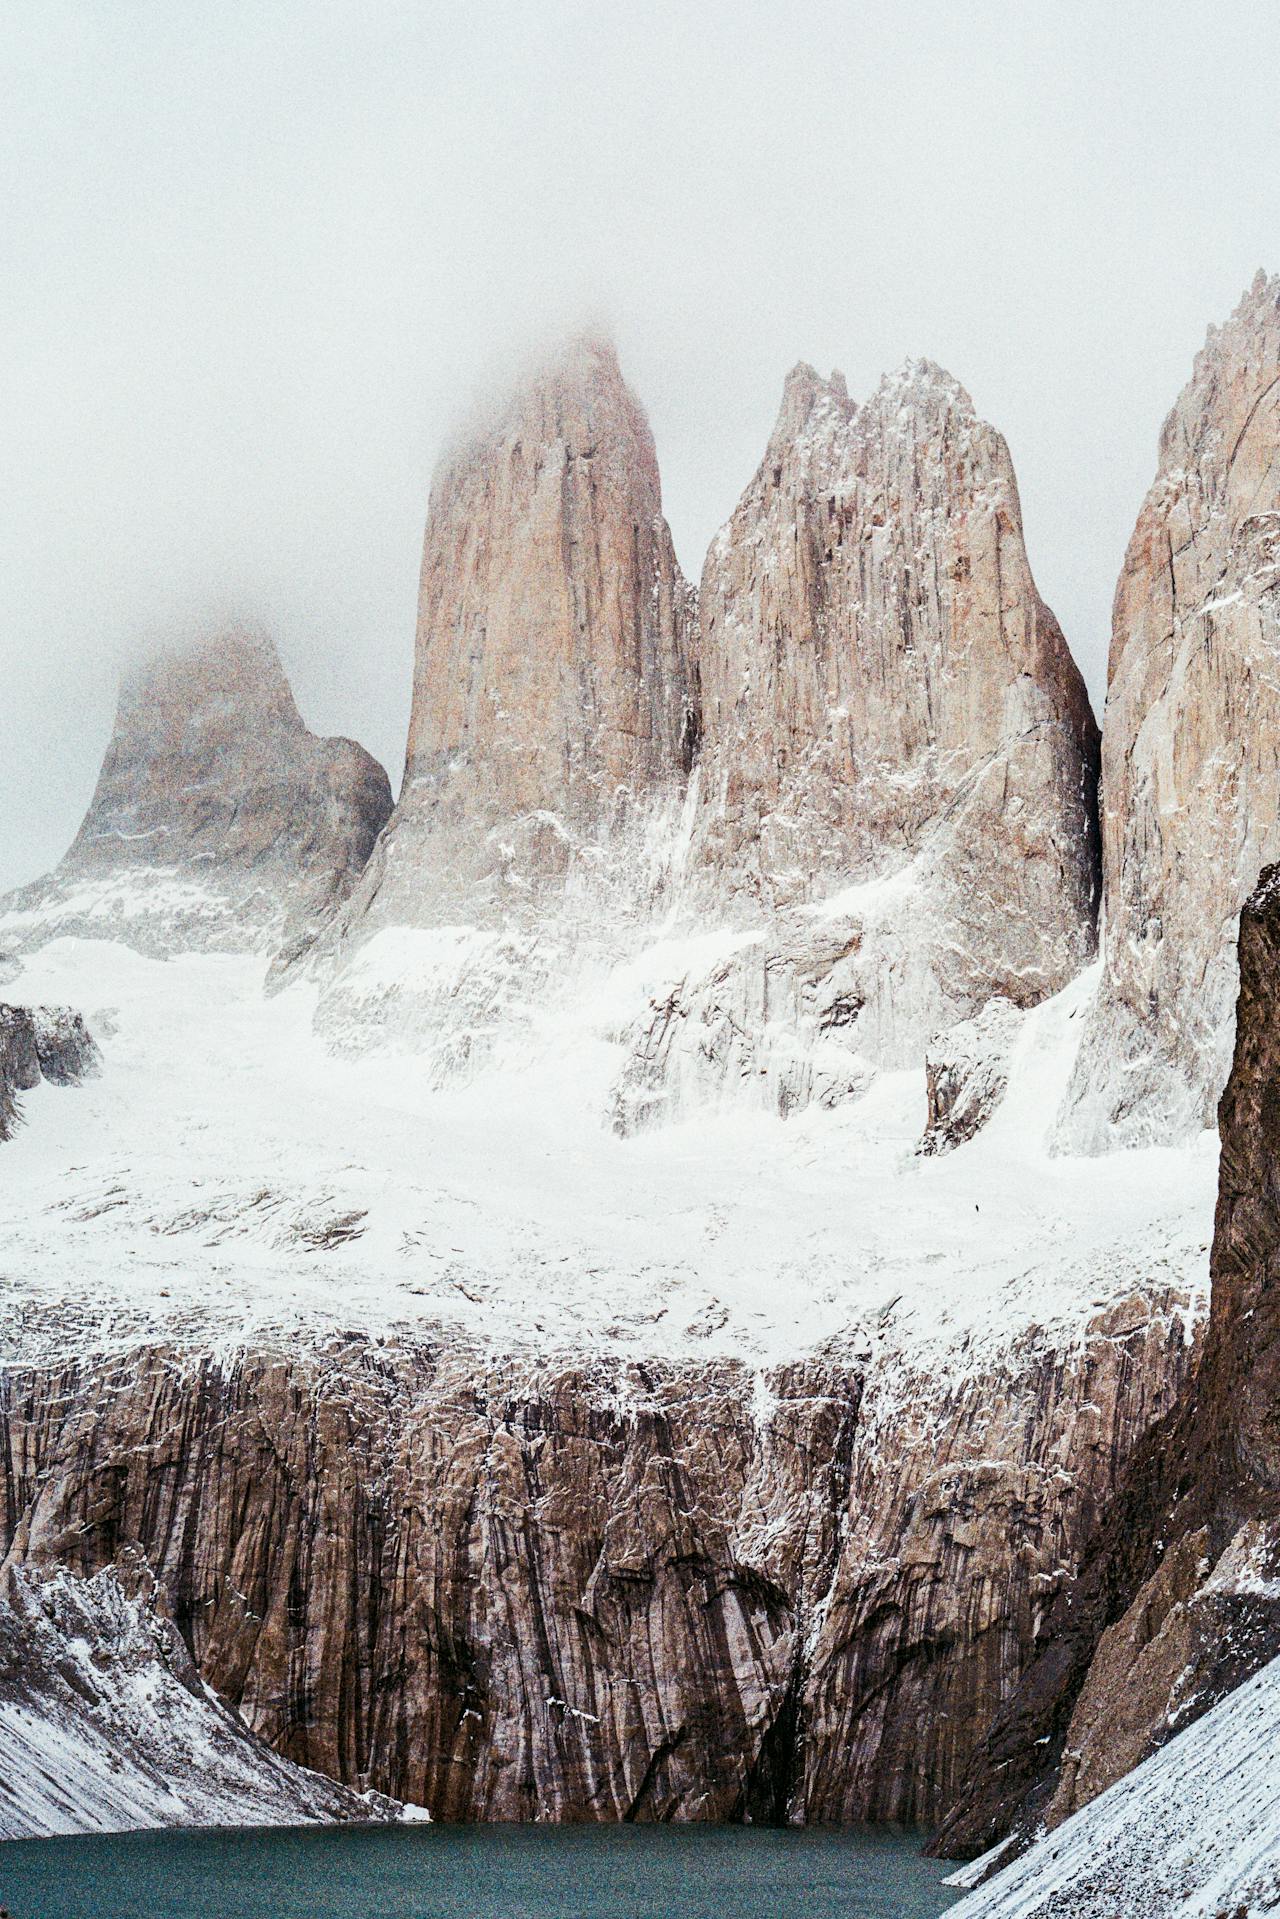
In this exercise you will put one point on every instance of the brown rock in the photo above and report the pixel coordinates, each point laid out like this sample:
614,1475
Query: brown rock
876,660
897,779
519,1588
1180,1588
553,694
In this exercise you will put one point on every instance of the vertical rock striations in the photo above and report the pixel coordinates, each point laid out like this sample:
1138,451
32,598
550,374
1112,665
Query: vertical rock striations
552,695
876,663
554,710
899,762
1178,1599
218,820
106,1726
1191,756
511,1587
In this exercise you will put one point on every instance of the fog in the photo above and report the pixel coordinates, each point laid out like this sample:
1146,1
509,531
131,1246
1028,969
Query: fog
252,257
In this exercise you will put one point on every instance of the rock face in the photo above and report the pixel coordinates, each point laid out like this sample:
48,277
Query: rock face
105,1725
554,714
218,821
875,660
1191,746
898,767
893,758
553,686
41,1043
1178,1599
966,1071
594,1590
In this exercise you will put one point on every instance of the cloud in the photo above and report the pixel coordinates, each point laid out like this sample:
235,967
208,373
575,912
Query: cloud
255,255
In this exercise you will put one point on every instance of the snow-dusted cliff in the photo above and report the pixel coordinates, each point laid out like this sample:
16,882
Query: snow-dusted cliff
506,1465
843,811
1191,746
594,1327
895,739
1178,1596
554,724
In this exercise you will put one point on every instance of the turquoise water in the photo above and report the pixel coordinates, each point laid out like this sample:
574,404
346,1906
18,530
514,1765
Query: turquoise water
475,1872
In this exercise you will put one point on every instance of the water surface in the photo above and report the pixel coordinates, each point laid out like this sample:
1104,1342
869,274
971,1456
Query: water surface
476,1872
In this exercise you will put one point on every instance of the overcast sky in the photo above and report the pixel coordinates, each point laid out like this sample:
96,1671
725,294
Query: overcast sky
252,256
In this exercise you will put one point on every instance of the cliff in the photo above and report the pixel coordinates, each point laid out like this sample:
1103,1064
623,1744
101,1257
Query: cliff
896,788
105,1725
1190,810
553,727
1178,1598
513,1588
509,1467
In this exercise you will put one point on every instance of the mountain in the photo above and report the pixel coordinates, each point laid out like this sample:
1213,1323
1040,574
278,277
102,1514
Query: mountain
501,1464
868,770
607,1336
895,806
218,820
1191,799
877,665
1191,1831
105,1725
554,720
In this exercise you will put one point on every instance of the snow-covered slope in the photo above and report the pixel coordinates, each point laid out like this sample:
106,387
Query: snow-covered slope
226,1177
105,1725
1192,1833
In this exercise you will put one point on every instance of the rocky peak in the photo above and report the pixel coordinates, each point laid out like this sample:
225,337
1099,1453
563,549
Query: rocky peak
892,726
871,634
554,693
1191,803
810,405
217,818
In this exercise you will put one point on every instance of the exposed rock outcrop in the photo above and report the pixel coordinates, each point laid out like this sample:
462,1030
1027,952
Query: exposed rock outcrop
554,718
555,697
1178,1599
1191,753
966,1071
897,777
595,1590
876,661
218,822
41,1043
893,757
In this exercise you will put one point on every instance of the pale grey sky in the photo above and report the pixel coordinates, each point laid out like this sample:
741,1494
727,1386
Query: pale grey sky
253,255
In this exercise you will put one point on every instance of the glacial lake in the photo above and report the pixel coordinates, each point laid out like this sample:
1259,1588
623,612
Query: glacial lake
476,1872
